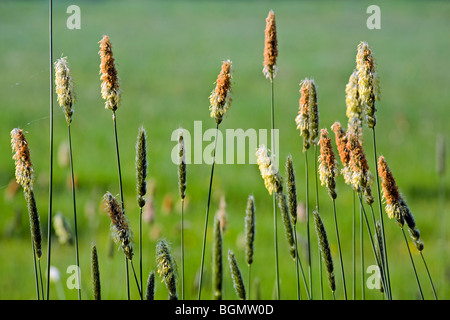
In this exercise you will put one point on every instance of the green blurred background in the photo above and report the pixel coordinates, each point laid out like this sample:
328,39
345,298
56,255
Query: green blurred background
168,55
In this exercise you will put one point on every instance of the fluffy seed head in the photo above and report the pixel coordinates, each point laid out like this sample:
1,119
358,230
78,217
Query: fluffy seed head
110,80
64,87
249,229
141,166
362,179
307,119
238,281
119,225
391,194
269,172
354,109
181,165
270,47
220,98
167,268
327,164
344,152
24,168
368,84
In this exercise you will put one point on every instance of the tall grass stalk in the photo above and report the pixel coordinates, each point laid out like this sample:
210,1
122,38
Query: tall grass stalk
141,185
206,217
220,102
269,70
412,263
182,191
429,275
66,99
24,173
50,186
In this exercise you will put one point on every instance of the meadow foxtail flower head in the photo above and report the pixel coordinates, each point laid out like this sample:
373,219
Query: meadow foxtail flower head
95,272
110,81
181,165
362,179
325,249
291,189
238,281
217,260
249,229
167,268
327,164
354,110
269,172
307,119
141,166
220,98
24,168
344,152
368,82
64,87
119,225
270,47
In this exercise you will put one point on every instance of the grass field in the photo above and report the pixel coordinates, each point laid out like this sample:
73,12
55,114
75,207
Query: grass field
168,55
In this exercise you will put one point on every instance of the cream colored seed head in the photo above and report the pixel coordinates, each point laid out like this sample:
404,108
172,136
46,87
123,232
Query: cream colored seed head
269,172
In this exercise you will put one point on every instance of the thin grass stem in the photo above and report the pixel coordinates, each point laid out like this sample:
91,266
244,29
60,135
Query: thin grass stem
354,246
361,235
339,247
182,249
272,147
77,257
308,235
207,215
50,200
413,265
383,279
135,278
429,276
140,246
386,262
36,271
296,263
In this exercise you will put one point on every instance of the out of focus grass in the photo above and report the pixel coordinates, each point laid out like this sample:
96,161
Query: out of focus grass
168,55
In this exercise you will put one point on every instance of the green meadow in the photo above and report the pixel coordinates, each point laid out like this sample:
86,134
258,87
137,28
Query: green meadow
168,55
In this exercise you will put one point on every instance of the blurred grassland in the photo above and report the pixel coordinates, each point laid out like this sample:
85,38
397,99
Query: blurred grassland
168,55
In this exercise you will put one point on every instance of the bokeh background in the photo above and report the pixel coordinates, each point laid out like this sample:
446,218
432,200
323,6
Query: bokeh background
168,55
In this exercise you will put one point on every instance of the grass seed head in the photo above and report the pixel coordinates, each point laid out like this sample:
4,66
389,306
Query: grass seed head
181,165
368,83
110,81
344,152
24,168
325,249
119,225
270,47
291,190
217,260
282,204
220,98
249,229
95,273
362,179
64,87
354,109
141,166
34,221
327,164
238,281
150,295
167,268
269,172
307,119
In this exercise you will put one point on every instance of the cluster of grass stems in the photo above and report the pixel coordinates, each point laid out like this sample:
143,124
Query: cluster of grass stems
362,92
